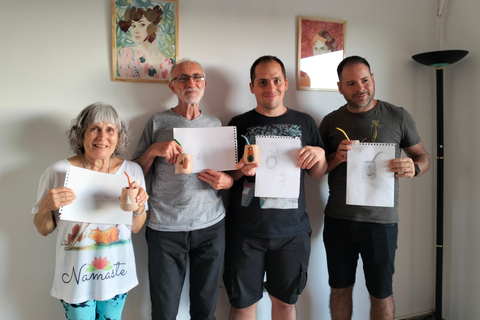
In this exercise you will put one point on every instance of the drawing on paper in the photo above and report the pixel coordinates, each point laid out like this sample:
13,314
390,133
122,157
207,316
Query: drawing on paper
370,168
272,162
201,156
272,159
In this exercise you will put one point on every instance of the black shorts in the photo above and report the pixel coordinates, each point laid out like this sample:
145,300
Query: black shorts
376,243
248,258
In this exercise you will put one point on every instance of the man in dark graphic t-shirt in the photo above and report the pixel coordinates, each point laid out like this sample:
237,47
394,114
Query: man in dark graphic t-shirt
269,235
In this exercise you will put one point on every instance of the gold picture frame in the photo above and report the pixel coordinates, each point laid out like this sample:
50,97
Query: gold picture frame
144,39
320,48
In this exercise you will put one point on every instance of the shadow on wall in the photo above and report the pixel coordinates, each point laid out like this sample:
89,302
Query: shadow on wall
29,258
137,305
308,302
217,100
136,126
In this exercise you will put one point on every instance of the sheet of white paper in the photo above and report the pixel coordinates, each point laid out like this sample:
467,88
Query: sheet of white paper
96,197
369,183
277,175
212,148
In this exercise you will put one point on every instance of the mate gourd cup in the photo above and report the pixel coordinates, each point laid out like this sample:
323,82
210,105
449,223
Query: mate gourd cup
251,153
127,199
184,164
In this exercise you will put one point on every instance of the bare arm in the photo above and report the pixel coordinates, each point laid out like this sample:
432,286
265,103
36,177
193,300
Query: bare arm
405,167
313,160
140,215
217,179
55,198
168,149
243,170
334,159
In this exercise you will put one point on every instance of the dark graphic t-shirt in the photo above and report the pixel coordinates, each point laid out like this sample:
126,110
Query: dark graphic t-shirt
385,123
270,217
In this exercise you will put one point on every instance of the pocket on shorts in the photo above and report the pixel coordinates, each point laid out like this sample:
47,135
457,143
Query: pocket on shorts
302,278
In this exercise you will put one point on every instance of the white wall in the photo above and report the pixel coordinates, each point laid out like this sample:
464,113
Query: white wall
55,60
462,174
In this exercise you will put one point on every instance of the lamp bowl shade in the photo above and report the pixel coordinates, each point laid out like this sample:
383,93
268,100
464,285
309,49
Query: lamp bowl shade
440,58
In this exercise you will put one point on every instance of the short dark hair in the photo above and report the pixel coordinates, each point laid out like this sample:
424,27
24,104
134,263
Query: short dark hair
351,61
95,113
264,59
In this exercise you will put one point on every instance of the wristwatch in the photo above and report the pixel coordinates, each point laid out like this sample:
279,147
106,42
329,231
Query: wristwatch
417,169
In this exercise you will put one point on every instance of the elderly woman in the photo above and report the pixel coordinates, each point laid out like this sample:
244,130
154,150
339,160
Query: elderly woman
95,263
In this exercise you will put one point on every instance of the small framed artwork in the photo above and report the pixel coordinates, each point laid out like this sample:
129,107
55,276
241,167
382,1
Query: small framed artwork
321,47
144,39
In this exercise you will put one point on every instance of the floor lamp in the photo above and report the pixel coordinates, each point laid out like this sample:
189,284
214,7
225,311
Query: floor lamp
439,60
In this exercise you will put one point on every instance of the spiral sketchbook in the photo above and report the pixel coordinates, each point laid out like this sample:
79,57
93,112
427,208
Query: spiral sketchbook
277,175
212,148
96,199
369,183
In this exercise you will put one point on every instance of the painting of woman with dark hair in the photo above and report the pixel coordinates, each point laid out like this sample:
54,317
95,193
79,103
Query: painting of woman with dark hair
141,57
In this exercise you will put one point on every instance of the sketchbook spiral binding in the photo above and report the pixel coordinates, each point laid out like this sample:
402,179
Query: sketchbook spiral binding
67,179
235,142
276,137
376,144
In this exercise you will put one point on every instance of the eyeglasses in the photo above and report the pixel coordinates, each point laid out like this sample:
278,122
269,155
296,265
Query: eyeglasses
184,78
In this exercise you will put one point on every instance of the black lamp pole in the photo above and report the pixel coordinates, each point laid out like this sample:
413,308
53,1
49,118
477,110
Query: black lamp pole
439,60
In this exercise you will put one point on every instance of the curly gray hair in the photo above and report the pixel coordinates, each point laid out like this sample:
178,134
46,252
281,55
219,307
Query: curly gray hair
95,113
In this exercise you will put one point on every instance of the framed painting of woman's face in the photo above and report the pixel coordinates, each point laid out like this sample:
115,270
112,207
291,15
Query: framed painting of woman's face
321,47
144,39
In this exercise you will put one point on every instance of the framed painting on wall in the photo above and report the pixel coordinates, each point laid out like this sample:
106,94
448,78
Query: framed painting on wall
144,39
321,47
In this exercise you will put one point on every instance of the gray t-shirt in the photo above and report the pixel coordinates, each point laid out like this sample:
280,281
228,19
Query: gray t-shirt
178,202
385,123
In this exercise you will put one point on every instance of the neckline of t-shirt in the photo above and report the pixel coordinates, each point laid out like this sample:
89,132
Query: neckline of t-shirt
276,117
366,113
185,119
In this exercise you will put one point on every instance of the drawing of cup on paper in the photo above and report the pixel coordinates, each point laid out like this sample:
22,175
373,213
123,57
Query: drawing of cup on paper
370,168
272,162
282,179
272,159
251,153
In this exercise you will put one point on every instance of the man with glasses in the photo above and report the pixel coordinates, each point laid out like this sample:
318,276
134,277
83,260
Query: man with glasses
269,235
186,211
